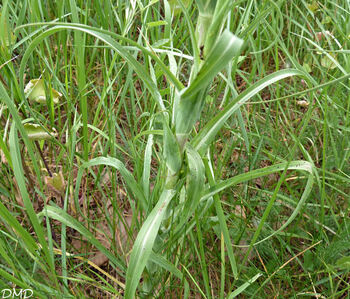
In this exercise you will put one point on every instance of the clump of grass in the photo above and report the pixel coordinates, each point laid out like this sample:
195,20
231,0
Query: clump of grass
190,136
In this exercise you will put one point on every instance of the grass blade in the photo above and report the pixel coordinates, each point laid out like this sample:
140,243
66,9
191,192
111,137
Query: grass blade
243,286
221,217
19,175
144,243
63,217
207,134
109,161
195,183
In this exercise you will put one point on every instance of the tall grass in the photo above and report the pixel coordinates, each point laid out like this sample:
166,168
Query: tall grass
201,148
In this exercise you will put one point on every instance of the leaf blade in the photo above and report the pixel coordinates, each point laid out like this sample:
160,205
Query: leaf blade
207,134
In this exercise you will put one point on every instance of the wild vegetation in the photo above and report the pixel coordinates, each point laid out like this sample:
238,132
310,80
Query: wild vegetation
175,149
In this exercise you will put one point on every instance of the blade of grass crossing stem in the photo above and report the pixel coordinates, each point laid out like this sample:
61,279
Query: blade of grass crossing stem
138,68
5,150
240,289
63,217
20,179
165,264
17,120
127,176
80,59
293,165
28,240
221,217
207,134
143,245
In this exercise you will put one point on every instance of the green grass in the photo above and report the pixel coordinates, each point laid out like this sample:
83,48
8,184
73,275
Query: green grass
199,149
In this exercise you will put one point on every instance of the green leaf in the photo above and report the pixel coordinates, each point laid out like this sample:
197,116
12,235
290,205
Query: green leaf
293,165
194,185
240,289
344,262
35,91
172,152
156,24
207,134
147,167
227,47
36,132
117,164
192,98
144,242
63,217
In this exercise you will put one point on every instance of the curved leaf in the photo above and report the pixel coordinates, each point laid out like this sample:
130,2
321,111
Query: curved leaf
143,245
207,134
63,217
195,183
191,100
36,132
117,164
35,91
294,165
172,152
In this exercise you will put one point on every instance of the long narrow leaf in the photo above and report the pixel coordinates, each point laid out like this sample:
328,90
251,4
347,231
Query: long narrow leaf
21,181
172,152
207,134
191,99
294,165
226,48
138,68
241,289
63,217
195,183
117,164
144,243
